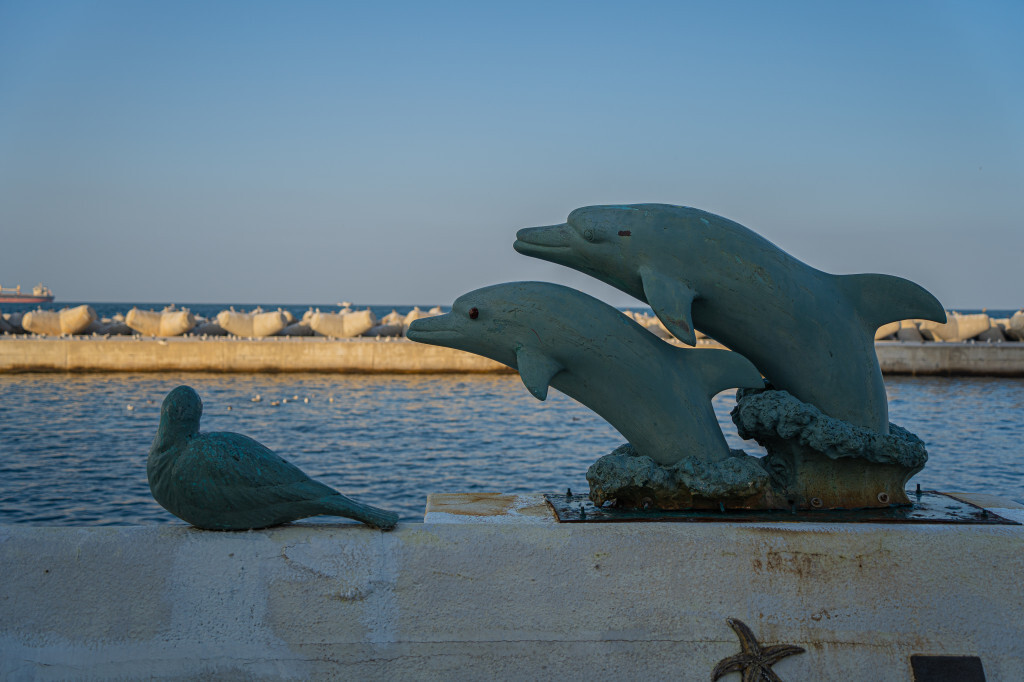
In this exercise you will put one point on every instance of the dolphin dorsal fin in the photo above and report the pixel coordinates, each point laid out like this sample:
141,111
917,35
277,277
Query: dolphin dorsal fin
672,302
536,370
720,369
881,299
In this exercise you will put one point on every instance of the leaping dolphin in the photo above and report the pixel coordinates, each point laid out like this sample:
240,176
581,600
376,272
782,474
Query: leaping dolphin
657,395
809,332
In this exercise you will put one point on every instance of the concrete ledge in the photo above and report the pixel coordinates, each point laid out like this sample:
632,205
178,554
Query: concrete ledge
492,601
487,508
289,354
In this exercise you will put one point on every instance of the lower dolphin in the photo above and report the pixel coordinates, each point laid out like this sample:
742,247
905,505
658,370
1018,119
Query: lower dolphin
658,396
811,333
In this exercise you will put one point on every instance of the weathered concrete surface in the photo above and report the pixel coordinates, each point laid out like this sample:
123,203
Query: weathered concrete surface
316,354
485,601
220,354
487,508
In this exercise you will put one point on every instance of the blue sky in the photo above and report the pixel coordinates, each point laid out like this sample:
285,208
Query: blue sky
386,153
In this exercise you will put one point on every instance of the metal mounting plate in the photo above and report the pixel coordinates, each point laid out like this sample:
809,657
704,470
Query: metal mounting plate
926,507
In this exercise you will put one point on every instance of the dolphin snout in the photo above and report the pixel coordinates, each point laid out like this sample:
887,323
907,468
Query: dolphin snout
531,241
433,329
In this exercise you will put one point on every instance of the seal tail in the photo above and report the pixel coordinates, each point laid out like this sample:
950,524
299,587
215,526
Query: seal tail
371,516
881,299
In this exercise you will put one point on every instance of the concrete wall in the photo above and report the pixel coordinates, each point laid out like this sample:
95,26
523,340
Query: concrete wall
981,359
521,600
282,354
274,354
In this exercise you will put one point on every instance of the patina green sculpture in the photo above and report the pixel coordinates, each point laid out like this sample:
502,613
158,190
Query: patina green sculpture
810,333
825,420
227,481
819,462
658,396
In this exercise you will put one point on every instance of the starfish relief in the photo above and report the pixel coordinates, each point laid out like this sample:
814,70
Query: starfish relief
754,662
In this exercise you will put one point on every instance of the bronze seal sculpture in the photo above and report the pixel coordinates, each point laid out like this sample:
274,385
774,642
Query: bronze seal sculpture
227,481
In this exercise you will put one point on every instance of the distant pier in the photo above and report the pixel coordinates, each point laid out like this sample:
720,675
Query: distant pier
398,355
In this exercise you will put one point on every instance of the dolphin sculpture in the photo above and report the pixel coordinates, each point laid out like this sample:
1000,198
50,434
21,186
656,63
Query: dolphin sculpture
227,481
657,395
809,332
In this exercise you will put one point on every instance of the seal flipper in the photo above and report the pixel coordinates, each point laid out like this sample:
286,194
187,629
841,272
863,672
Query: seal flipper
536,371
881,299
720,369
672,303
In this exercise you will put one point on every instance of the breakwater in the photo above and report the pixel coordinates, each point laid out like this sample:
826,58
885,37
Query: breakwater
22,353
226,354
109,319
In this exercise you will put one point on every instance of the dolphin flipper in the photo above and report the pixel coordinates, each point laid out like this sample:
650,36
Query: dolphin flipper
671,301
536,370
720,369
881,299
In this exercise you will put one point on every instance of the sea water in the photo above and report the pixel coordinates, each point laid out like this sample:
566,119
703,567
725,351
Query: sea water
73,447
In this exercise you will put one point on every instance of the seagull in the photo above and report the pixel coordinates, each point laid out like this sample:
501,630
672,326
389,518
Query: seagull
228,481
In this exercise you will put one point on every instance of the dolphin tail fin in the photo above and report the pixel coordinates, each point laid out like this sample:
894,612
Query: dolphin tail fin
881,299
672,302
721,369
536,370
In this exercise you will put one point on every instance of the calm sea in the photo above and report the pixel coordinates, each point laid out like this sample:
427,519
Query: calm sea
73,447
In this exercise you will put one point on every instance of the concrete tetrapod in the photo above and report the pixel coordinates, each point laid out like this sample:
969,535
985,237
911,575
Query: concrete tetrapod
809,332
227,481
656,395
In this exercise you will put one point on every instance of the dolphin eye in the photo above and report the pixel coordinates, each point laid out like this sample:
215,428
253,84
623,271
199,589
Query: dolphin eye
588,234
473,313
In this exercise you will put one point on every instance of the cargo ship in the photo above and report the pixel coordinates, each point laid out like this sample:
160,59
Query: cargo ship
40,294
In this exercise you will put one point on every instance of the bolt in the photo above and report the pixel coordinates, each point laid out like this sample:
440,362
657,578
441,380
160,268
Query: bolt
883,498
816,502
